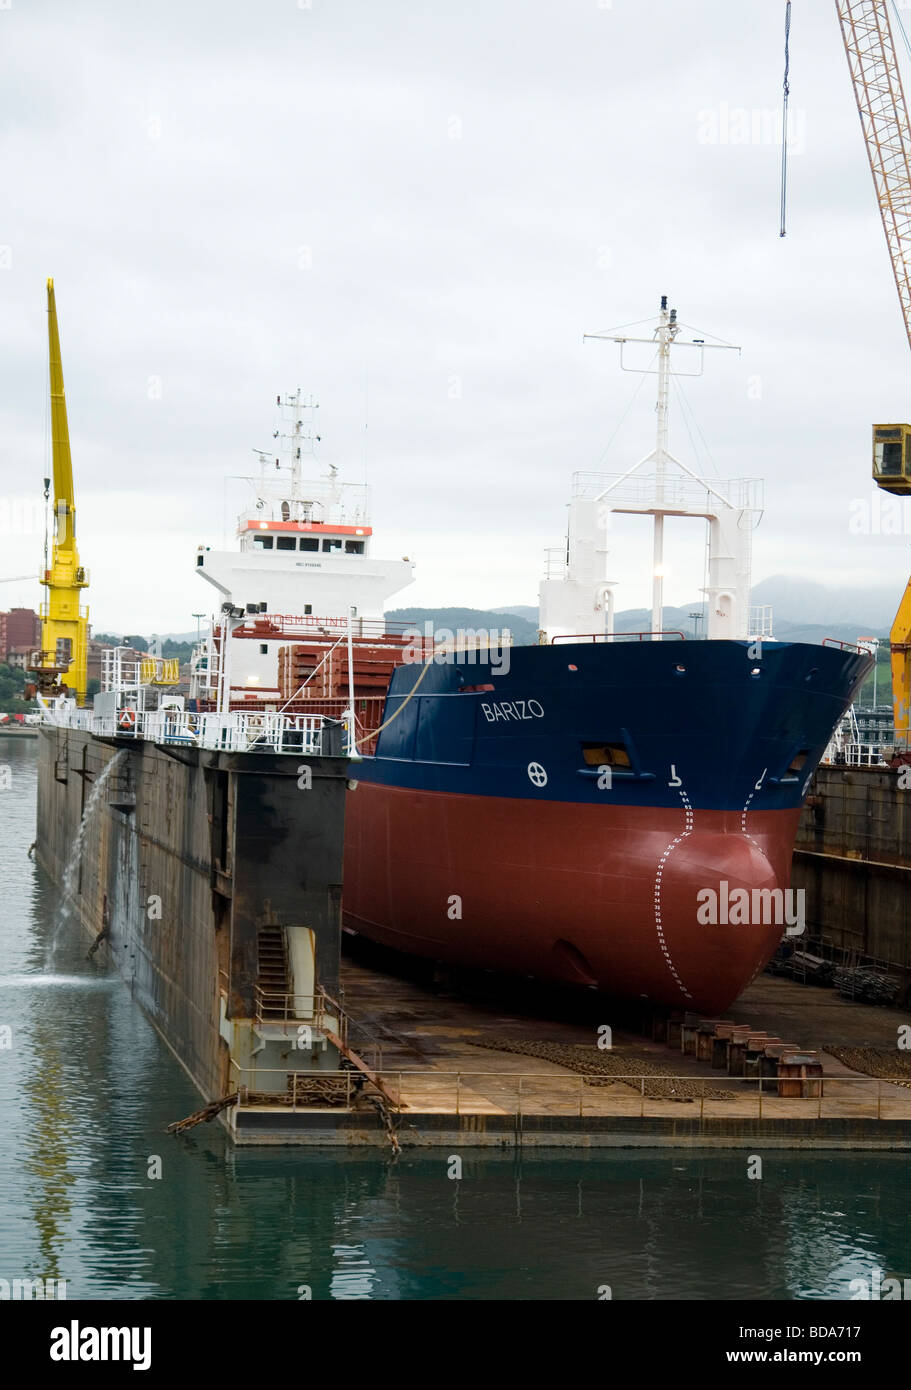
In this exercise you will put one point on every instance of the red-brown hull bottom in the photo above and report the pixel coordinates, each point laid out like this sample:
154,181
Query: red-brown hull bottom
591,895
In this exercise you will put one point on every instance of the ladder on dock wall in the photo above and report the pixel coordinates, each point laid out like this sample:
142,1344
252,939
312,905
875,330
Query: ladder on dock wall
272,971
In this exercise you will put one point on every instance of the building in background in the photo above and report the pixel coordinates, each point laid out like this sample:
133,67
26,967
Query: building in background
20,630
20,657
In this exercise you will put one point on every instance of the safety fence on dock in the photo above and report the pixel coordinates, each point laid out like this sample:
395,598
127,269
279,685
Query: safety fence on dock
239,731
306,1017
525,1094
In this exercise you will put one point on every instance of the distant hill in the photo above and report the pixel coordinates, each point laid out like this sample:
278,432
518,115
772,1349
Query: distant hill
806,630
524,633
522,620
803,611
803,601
521,610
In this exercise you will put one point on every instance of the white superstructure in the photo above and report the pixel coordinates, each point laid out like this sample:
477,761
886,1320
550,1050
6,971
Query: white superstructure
305,548
576,594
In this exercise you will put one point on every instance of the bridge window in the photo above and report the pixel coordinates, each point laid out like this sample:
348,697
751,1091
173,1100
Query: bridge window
286,543
354,547
332,543
309,543
262,542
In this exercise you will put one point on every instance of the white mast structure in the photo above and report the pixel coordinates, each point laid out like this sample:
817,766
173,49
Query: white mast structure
580,599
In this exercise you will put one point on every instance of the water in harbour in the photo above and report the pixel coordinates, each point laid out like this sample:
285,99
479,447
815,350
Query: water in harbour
87,1088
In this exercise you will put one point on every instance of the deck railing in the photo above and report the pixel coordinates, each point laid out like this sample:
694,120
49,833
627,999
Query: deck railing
239,731
618,636
515,1094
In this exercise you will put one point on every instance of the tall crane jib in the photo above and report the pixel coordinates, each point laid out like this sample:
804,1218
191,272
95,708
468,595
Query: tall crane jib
61,663
873,62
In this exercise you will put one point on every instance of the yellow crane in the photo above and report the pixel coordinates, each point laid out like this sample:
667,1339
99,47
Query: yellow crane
873,63
64,623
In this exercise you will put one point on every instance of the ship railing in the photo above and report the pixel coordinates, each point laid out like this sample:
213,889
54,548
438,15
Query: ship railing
274,1006
618,636
516,1096
260,731
118,671
845,646
68,718
864,755
622,490
555,565
761,621
314,625
318,502
317,1012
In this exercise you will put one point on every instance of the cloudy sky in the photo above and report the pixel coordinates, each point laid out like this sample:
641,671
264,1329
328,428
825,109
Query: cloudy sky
415,210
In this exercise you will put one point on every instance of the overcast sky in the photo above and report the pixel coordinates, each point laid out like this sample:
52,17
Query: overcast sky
415,211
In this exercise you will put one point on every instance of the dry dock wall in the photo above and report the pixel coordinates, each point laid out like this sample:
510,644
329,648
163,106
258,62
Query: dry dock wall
185,854
853,859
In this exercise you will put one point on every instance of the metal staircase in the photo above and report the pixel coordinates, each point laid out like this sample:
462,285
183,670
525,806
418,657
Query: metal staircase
272,972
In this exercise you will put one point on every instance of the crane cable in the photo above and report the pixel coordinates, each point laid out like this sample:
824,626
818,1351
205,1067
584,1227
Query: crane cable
784,120
901,26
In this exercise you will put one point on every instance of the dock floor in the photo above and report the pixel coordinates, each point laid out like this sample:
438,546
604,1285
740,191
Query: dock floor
454,1091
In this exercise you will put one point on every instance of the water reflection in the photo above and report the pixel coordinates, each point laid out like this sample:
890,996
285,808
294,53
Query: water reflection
88,1088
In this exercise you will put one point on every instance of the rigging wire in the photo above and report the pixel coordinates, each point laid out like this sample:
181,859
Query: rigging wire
702,334
902,28
635,396
784,119
687,409
605,331
686,422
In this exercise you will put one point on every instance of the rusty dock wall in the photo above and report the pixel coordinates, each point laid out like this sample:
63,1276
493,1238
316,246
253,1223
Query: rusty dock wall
853,859
185,854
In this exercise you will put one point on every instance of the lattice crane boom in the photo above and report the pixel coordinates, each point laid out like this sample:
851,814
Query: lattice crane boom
873,62
880,96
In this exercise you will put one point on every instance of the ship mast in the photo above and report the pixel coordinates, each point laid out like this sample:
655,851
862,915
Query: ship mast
661,504
666,333
301,438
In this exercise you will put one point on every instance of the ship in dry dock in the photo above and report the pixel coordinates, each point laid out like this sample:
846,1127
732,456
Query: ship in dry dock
552,810
321,748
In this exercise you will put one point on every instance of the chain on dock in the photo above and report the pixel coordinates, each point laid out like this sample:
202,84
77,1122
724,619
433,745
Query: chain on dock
605,1069
884,1062
199,1117
388,1122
